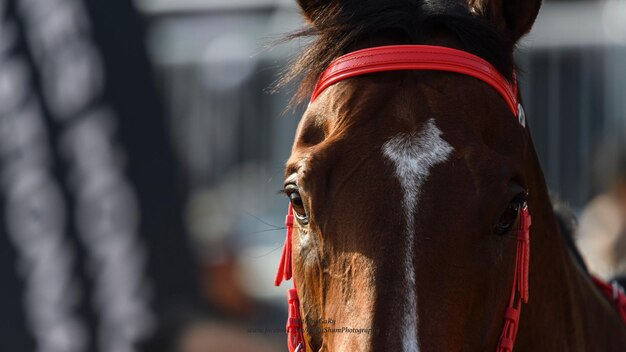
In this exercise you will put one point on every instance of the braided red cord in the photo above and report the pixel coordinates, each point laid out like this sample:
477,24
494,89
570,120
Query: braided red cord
295,337
519,290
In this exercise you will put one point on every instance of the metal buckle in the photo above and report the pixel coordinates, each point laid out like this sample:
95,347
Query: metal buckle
299,348
521,115
617,290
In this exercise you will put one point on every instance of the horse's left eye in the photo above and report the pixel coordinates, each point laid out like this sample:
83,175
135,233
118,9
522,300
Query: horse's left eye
296,202
509,217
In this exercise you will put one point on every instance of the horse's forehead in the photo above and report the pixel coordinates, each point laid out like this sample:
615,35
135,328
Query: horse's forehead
324,136
354,118
384,105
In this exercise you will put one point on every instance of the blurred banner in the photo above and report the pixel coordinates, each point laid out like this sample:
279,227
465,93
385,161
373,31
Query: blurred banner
92,248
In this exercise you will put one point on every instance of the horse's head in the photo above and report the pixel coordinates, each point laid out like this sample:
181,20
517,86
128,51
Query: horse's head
407,185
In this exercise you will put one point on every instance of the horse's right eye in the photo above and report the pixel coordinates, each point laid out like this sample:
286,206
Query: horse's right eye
297,204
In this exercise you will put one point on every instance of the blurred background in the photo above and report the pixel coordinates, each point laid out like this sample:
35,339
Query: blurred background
141,152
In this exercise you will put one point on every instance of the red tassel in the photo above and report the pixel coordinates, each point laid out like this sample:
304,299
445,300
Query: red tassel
284,267
281,266
289,225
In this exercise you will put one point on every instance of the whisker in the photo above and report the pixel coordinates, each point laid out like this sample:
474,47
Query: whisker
263,222
265,254
267,230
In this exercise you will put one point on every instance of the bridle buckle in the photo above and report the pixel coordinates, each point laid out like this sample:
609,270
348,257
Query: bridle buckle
618,290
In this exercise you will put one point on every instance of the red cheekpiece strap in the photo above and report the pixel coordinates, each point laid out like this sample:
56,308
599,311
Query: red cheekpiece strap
416,57
519,289
295,337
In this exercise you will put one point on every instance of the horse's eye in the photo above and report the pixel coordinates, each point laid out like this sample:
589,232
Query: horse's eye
509,216
298,205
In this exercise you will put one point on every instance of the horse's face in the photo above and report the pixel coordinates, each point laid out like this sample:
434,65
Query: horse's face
406,188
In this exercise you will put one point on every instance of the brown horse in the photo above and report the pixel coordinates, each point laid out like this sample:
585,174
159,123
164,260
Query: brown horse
407,188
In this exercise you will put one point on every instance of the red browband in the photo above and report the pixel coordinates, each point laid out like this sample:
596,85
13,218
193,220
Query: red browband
416,57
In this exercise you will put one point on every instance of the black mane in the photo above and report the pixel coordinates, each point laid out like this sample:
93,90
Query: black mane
338,27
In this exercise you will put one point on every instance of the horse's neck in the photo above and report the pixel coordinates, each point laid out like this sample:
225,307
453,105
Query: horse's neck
588,321
604,329
565,311
594,320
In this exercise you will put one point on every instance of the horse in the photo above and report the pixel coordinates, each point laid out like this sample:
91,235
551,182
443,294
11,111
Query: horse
411,190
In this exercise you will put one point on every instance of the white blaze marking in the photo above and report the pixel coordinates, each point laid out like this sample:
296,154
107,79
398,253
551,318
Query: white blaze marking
413,155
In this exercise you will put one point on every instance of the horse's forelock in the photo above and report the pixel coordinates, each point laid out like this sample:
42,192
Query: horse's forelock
340,27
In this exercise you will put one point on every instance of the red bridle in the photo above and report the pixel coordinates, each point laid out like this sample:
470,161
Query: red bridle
434,58
416,57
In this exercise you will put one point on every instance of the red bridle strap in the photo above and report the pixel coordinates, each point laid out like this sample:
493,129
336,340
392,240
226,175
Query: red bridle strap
614,294
416,57
424,57
519,291
295,337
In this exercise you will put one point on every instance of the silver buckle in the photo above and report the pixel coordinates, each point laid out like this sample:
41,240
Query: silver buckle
521,115
617,290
